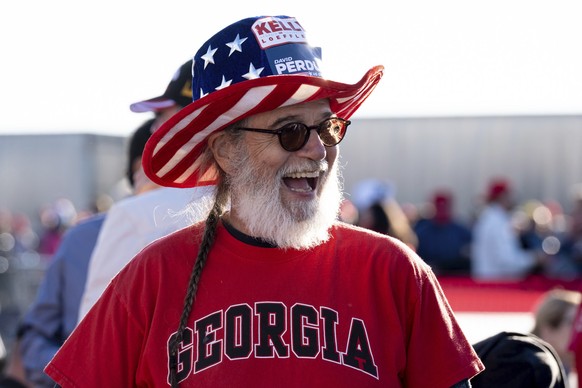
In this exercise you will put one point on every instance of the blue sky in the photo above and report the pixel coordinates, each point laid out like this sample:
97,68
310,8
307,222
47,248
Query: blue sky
75,66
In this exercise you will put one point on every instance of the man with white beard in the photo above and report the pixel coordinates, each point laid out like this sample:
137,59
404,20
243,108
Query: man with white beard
271,290
304,217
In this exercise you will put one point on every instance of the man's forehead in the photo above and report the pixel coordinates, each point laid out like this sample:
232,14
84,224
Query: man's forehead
318,109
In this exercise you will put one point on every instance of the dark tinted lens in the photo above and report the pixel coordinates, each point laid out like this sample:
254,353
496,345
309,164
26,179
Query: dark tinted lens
293,136
332,131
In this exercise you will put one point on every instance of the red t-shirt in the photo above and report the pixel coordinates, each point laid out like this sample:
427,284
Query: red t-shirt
361,310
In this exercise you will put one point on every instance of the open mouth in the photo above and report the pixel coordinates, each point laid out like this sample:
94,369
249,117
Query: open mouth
303,182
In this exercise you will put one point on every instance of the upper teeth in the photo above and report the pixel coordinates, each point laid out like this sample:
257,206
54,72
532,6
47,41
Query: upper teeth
313,174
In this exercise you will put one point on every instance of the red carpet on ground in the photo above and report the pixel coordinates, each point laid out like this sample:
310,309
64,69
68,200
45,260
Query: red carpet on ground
467,295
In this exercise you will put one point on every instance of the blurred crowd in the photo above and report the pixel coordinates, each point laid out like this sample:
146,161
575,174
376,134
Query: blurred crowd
27,246
433,229
25,241
502,240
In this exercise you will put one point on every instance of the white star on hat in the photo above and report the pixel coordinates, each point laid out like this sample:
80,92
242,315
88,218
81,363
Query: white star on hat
224,83
236,44
209,56
253,73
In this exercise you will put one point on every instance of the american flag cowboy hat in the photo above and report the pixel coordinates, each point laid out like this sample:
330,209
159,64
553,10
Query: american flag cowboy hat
252,66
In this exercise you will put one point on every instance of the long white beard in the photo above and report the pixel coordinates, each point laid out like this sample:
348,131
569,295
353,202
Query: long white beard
297,225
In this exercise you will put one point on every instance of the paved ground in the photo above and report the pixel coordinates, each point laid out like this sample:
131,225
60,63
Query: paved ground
478,326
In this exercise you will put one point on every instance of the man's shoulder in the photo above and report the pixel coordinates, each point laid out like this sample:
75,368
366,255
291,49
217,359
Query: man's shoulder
90,225
162,196
142,205
350,229
188,236
390,257
353,234
91,221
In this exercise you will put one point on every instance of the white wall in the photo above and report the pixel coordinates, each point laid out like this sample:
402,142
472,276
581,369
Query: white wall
541,155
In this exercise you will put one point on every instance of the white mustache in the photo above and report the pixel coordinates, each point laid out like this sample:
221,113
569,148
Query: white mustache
310,166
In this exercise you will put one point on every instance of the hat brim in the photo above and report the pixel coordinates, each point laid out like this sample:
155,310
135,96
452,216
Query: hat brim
172,154
152,105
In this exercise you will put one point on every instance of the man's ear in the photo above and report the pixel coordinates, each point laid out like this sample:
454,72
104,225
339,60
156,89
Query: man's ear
221,149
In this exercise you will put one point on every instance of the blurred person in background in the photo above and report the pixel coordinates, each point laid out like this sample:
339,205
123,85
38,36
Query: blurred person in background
541,228
573,240
554,317
379,211
575,344
55,218
16,239
25,238
153,212
53,314
574,246
443,241
16,234
496,250
539,358
7,239
12,374
348,212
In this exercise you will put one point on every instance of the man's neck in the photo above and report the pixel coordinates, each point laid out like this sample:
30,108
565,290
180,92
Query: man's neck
247,239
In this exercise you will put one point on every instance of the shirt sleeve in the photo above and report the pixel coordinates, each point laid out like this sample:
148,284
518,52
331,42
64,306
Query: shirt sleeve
435,335
108,329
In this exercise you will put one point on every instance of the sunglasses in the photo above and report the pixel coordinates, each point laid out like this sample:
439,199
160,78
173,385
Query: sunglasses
294,136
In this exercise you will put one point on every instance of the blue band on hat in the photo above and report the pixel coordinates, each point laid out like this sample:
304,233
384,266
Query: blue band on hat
294,59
